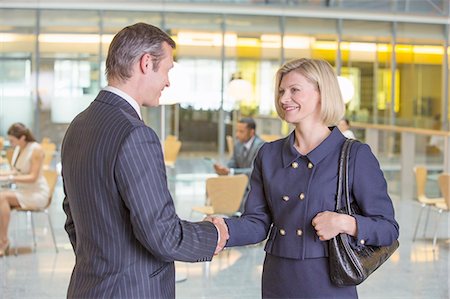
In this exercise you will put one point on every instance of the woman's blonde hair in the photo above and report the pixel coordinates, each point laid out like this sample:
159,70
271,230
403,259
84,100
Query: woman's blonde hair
320,73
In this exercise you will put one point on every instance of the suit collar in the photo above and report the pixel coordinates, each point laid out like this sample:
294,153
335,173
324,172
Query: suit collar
249,143
290,154
113,99
126,97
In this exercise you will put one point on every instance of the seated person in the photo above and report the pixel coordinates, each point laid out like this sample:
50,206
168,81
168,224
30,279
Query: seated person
32,190
344,127
245,150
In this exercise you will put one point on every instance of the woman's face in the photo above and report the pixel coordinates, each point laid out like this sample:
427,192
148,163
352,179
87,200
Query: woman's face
14,141
299,98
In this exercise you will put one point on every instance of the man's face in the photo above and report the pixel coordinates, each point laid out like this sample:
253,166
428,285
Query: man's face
243,133
158,79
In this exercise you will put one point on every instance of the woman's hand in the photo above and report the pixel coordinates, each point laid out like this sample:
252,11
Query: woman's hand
329,224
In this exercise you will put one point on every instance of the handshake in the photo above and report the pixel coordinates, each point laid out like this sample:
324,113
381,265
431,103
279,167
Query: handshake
222,229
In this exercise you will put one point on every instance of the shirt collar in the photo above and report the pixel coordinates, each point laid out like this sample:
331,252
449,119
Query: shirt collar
290,154
249,143
126,97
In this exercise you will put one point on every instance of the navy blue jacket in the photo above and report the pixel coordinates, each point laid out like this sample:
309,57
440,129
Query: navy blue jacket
289,189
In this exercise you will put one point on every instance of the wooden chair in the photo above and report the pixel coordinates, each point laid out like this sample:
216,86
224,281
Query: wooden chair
444,187
269,138
52,177
426,202
46,140
171,137
171,149
230,145
10,154
49,150
223,195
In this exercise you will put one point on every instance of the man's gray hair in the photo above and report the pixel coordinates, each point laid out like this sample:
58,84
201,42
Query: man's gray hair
130,44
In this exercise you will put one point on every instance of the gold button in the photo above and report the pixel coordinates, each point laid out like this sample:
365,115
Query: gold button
302,196
285,198
282,232
362,242
310,165
299,232
294,165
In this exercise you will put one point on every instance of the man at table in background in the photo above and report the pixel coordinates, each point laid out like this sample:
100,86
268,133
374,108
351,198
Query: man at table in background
121,219
344,127
244,152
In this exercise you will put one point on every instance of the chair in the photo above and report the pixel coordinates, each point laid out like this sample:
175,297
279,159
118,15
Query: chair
171,137
52,177
10,154
426,202
171,149
49,150
223,195
230,145
444,187
269,138
45,140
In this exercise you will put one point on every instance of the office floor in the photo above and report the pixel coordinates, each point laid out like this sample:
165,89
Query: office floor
414,271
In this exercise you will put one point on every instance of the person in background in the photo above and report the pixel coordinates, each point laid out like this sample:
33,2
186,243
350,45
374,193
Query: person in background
245,149
344,127
436,143
31,190
121,219
244,152
293,189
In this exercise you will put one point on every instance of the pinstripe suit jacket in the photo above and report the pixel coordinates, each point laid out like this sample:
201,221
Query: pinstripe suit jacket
121,220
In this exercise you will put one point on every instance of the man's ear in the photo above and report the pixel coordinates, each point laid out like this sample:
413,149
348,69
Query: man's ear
146,63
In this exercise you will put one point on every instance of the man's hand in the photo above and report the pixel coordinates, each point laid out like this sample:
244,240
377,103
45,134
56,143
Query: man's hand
221,170
222,229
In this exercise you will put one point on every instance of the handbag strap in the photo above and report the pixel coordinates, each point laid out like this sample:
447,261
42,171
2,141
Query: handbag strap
342,187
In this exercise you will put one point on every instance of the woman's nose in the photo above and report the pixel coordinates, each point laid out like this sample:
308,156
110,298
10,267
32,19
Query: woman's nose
284,98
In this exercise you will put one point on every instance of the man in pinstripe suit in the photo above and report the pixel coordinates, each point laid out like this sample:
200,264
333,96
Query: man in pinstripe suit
121,220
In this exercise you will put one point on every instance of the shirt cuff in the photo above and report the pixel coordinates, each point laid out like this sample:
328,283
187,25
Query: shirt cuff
231,171
218,234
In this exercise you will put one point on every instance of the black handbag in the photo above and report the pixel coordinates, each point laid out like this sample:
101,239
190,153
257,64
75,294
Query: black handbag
351,266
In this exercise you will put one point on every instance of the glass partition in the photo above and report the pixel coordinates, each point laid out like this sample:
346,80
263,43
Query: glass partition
396,68
68,67
17,71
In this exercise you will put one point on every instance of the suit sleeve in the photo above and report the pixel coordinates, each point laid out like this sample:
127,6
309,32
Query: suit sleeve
376,225
69,225
252,227
141,180
233,161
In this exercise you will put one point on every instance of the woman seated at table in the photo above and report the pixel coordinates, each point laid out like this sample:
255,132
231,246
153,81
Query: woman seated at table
31,189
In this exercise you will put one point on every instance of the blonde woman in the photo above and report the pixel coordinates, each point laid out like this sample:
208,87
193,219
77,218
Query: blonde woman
32,190
293,189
